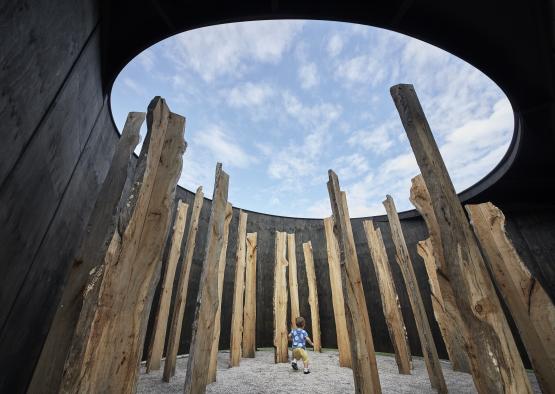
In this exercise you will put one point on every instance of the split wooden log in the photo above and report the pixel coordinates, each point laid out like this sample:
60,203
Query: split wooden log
312,295
338,301
158,338
280,300
447,315
293,282
106,353
100,229
249,320
236,335
178,311
363,357
495,362
207,300
390,299
529,304
212,369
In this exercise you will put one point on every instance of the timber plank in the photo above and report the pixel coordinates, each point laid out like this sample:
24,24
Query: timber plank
249,319
236,335
293,282
312,295
280,300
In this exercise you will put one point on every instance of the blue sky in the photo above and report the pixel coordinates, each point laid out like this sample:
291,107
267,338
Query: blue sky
281,102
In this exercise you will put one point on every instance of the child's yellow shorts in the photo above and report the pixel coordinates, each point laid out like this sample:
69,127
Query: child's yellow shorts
300,354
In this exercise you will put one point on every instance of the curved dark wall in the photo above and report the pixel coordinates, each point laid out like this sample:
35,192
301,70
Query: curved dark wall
59,59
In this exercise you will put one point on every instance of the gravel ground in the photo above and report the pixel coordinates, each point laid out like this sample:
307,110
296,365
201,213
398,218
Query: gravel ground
261,375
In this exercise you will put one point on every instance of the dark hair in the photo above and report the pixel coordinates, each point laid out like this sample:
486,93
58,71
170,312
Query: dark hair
299,322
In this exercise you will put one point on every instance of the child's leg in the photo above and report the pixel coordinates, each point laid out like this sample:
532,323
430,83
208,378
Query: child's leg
305,360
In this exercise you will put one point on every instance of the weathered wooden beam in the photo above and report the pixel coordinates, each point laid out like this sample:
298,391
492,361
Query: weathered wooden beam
390,299
100,229
236,335
495,362
312,295
156,346
451,324
117,318
181,290
207,300
280,299
363,357
249,320
293,282
338,300
529,304
212,369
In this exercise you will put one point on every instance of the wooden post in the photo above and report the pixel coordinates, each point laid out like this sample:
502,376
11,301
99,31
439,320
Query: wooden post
156,346
105,359
312,295
529,304
422,324
390,300
102,223
236,336
363,358
450,324
249,320
338,302
213,367
280,300
495,362
293,283
207,300
181,289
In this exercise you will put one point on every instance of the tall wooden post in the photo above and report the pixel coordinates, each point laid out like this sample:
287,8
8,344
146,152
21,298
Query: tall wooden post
238,293
156,346
207,300
293,283
450,324
249,320
338,301
363,358
213,367
312,295
280,300
181,290
496,364
529,304
390,300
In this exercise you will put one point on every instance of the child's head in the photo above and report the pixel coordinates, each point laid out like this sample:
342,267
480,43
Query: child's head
299,322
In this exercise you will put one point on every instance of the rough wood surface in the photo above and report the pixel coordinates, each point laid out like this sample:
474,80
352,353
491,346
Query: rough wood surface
447,315
390,299
312,295
529,304
280,299
249,319
212,369
102,223
338,300
207,300
495,362
236,335
181,289
363,357
113,343
293,280
158,338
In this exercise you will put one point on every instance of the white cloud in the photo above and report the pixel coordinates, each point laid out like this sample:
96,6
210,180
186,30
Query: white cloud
146,58
134,86
362,69
350,166
222,147
308,75
335,45
378,140
248,95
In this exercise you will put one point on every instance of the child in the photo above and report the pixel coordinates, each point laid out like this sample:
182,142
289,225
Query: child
299,337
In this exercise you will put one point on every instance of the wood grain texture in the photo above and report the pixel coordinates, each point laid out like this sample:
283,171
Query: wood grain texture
236,335
495,362
312,295
280,299
249,319
293,282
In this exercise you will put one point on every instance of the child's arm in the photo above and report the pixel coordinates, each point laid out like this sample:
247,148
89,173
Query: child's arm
309,341
289,337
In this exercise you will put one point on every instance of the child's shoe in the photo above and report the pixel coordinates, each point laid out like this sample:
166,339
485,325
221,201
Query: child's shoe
306,371
294,365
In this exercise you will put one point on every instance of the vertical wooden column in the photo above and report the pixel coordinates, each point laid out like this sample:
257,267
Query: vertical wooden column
293,283
390,300
496,364
156,346
338,301
529,304
422,324
213,367
207,300
363,358
280,300
238,293
249,320
451,324
181,290
312,295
